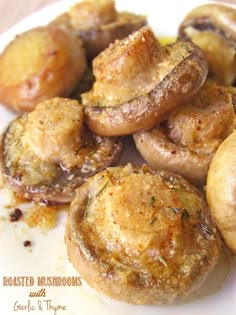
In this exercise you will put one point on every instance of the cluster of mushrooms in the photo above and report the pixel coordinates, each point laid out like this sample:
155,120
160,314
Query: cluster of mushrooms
140,234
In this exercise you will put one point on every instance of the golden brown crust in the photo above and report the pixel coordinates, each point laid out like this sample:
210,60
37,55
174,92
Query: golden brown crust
138,60
49,163
184,79
221,190
186,141
39,64
141,236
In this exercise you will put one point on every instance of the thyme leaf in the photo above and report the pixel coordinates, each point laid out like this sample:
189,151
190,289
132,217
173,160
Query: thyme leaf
77,151
87,206
152,200
92,153
221,92
103,187
185,214
17,141
153,220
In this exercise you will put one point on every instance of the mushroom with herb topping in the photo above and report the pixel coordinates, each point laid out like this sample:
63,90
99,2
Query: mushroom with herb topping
48,153
187,140
138,83
140,235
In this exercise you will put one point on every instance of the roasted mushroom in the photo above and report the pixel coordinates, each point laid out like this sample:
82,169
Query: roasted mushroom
48,153
138,83
221,190
186,141
213,28
98,24
39,64
140,235
91,14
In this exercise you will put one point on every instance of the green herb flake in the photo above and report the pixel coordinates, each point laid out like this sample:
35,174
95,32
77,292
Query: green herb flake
17,141
101,177
152,200
153,220
92,153
77,151
185,214
87,206
162,260
221,92
103,187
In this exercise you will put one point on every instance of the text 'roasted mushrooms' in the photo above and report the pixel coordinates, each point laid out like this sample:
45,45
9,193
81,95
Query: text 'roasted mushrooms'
39,64
138,83
213,28
48,153
141,236
187,140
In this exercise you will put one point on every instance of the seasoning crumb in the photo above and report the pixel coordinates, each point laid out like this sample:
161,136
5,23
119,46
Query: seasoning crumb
27,243
16,215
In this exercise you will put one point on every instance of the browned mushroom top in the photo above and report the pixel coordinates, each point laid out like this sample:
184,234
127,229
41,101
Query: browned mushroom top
52,135
48,153
186,141
127,69
203,122
132,67
140,235
39,64
138,82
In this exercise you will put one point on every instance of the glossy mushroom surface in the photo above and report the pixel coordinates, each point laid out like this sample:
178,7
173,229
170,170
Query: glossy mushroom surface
38,64
48,153
140,235
138,82
187,140
221,190
213,27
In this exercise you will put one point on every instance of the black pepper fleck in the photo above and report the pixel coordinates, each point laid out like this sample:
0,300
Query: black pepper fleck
16,215
27,243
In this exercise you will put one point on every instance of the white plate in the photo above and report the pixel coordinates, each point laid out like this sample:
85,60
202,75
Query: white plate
47,257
